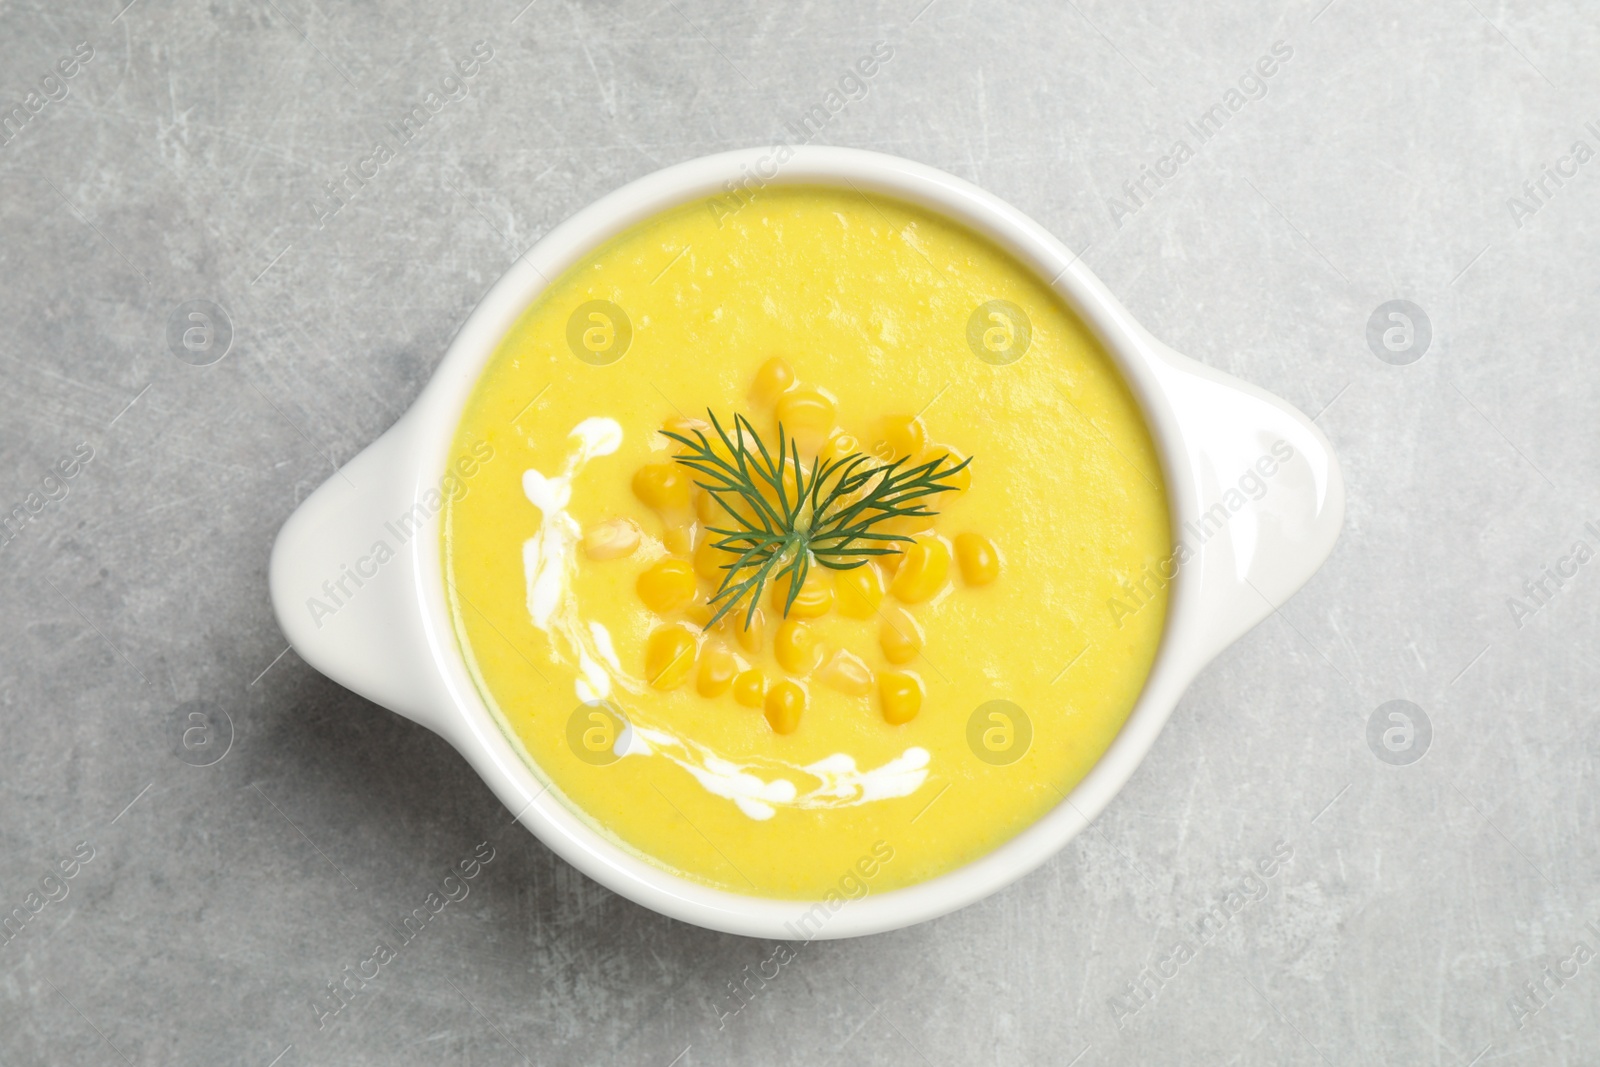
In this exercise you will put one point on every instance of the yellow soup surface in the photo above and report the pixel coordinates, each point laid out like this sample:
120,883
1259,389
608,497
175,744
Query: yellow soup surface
906,716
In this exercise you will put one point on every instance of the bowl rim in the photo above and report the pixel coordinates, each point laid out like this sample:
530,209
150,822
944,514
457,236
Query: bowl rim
475,728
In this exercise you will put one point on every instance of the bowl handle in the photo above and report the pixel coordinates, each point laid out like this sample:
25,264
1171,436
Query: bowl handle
346,586
1270,497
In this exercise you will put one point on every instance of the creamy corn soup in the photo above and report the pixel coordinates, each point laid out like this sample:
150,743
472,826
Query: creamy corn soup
807,555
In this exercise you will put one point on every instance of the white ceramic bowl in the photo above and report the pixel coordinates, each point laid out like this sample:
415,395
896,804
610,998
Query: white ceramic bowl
390,638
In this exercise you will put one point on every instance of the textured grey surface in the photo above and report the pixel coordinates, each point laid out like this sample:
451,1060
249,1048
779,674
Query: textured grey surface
220,901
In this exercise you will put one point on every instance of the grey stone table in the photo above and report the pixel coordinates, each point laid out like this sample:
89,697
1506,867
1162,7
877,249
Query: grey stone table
240,831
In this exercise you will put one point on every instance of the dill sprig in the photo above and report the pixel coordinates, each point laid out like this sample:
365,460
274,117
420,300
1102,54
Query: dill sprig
786,518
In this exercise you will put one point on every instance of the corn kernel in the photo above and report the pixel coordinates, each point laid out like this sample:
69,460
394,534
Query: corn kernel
980,563
684,426
815,599
785,702
899,696
859,591
669,657
678,538
839,446
795,646
899,436
709,560
749,637
707,510
669,584
611,539
713,515
806,414
899,635
771,380
961,480
717,668
750,688
924,569
663,486
908,525
846,672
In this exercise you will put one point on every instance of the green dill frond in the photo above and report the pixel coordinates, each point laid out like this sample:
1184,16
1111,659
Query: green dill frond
784,517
